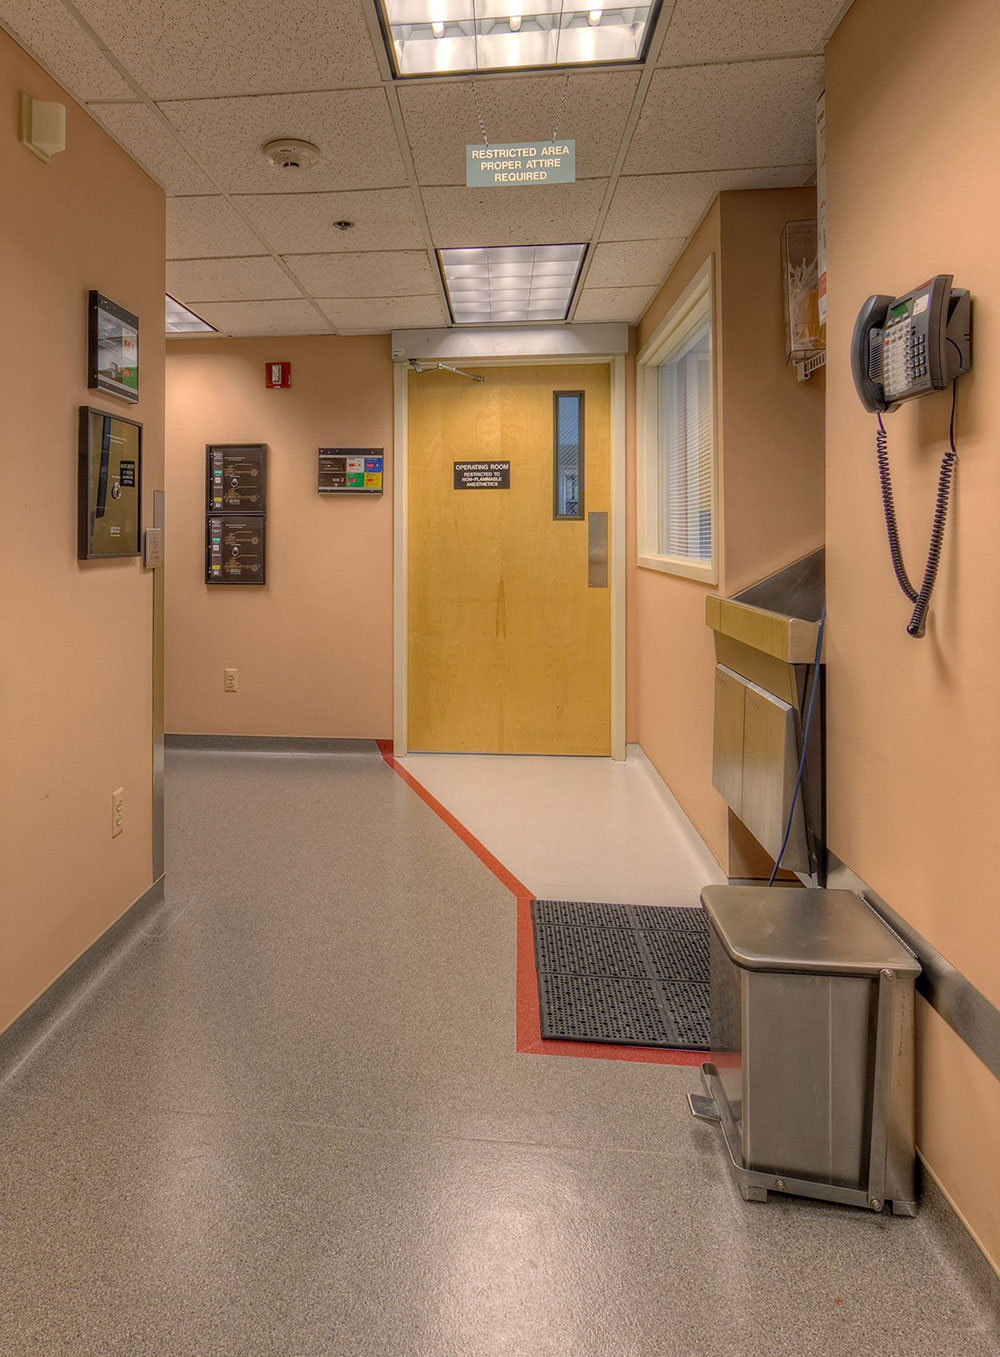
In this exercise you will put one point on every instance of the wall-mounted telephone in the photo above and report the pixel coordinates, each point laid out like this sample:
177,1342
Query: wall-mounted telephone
907,346
904,347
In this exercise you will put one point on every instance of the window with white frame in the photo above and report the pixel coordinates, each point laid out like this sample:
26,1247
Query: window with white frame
677,461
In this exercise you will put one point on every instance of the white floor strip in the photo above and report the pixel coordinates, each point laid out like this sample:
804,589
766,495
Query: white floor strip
576,828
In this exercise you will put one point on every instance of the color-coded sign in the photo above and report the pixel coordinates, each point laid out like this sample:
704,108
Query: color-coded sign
350,471
482,476
526,163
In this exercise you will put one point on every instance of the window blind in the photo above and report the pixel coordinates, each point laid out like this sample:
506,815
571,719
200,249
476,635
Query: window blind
685,400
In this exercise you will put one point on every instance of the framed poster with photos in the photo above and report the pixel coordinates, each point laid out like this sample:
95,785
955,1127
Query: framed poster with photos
113,348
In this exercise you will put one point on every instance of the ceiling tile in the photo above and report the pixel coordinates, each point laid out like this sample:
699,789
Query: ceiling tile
614,303
207,227
550,215
302,223
396,273
650,206
354,316
352,128
264,318
185,48
147,141
441,119
728,117
634,263
722,30
46,30
227,280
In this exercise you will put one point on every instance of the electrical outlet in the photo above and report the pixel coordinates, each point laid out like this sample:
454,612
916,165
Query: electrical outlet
229,681
117,812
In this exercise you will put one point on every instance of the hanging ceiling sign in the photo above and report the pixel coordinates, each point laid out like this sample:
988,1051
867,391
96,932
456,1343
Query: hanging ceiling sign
527,163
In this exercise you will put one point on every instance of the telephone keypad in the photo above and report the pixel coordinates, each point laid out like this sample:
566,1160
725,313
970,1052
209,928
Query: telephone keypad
904,358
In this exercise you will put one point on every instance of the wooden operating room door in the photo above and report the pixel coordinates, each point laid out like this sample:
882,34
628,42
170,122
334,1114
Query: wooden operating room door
509,645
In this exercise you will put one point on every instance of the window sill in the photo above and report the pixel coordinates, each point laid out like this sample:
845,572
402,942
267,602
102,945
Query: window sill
705,572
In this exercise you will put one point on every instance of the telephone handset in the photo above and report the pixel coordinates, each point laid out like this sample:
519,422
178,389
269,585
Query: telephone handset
905,347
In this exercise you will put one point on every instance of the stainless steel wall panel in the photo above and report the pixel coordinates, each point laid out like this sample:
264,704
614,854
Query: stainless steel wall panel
758,779
597,550
727,746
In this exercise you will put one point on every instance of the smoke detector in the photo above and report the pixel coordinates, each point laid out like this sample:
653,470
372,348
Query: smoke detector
287,153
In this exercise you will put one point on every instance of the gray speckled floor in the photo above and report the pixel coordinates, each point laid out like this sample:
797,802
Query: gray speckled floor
292,1122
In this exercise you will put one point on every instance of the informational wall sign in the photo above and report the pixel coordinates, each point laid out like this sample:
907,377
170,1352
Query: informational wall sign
113,348
521,164
110,485
482,476
235,550
236,475
350,471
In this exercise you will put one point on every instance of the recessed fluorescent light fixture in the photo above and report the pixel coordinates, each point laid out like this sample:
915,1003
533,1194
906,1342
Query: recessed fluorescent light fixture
510,284
443,37
181,321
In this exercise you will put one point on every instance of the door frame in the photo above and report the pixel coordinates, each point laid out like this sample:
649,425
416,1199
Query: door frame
569,344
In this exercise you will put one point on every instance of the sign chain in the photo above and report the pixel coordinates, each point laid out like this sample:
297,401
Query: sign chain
562,110
479,113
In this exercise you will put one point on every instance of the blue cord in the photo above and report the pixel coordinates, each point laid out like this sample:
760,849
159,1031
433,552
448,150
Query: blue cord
805,745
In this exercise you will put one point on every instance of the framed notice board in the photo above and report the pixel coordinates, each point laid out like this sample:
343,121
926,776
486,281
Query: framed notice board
236,478
235,549
109,516
350,471
112,348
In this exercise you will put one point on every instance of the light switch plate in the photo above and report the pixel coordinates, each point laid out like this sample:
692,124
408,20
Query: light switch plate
152,548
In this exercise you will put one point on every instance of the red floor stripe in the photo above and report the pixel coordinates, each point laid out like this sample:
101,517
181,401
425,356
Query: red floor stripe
529,1040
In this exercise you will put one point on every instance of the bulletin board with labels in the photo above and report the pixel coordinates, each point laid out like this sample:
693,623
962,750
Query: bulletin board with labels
350,471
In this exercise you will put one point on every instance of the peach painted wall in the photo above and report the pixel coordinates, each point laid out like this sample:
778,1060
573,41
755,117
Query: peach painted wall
631,582
770,439
674,657
774,450
313,646
75,638
914,726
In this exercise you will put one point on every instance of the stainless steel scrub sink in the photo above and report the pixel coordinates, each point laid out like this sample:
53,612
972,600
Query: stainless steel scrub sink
779,615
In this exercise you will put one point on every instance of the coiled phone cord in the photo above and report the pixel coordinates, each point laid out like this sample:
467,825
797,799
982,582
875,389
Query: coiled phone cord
921,601
889,507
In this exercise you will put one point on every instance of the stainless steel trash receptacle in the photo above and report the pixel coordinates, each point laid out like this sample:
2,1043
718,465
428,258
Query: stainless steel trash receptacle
811,1076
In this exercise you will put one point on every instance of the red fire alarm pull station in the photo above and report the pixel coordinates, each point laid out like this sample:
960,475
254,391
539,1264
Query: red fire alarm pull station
277,374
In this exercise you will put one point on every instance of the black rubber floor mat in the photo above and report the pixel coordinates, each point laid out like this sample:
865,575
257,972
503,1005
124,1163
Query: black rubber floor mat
622,974
588,951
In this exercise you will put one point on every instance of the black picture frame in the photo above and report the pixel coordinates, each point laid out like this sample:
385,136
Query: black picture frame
109,486
239,561
112,349
235,478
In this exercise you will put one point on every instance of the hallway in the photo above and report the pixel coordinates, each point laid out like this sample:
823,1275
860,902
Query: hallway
292,1121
